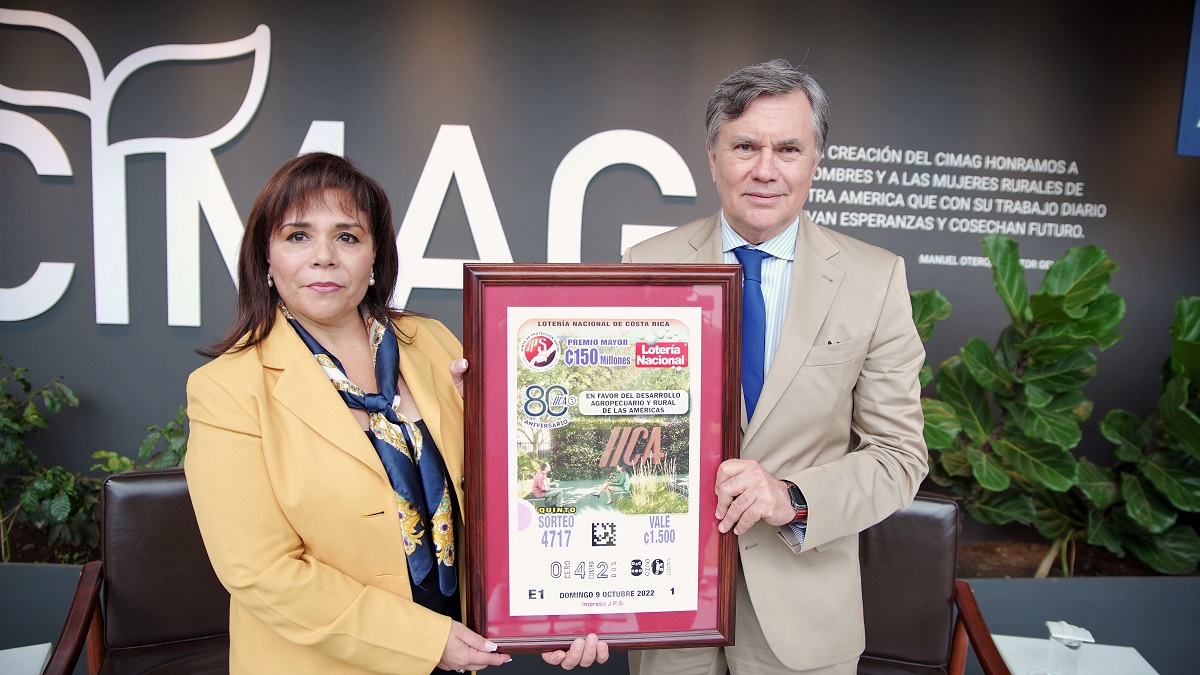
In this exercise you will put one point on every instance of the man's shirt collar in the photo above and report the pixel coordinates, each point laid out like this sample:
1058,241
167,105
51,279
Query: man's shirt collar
782,245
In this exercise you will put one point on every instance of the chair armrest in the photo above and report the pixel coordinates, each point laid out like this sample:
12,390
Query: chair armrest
971,618
79,619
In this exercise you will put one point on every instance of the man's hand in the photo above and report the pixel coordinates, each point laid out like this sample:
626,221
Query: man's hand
468,650
583,653
746,494
458,370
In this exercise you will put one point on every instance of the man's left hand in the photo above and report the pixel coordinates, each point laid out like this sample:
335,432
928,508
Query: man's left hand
746,494
583,653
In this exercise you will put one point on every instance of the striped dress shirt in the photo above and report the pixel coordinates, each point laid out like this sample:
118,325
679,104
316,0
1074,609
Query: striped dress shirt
776,277
776,287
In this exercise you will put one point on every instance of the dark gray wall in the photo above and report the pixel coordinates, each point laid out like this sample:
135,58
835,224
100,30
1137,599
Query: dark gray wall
1072,81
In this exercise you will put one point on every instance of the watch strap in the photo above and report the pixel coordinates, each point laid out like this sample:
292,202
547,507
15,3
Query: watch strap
798,502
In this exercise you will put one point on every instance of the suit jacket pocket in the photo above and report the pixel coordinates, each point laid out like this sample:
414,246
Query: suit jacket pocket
839,352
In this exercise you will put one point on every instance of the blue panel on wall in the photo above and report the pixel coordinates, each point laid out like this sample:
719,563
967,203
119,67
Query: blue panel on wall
1189,117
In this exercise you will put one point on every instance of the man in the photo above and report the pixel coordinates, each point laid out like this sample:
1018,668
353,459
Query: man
832,435
544,488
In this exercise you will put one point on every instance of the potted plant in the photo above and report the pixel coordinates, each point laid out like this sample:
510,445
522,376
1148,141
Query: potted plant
1006,417
56,501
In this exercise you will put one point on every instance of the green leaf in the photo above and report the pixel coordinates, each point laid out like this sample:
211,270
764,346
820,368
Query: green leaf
1007,352
955,462
1102,532
958,389
1098,484
29,501
929,307
60,507
147,446
1002,508
1098,326
1046,464
72,399
1144,506
41,485
32,417
1008,277
1180,423
1071,372
1047,425
941,424
51,401
1077,278
1036,397
1055,516
1127,432
925,376
987,469
1185,336
1178,483
59,532
1040,355
113,463
1073,404
1175,552
977,357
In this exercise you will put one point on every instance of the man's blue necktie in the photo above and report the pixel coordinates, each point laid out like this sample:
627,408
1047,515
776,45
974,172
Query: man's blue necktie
754,325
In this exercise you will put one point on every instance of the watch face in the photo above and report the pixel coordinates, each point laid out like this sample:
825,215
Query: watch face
797,497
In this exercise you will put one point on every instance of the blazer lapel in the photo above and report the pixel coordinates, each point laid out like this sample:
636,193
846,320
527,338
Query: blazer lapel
708,250
815,283
707,242
305,391
419,375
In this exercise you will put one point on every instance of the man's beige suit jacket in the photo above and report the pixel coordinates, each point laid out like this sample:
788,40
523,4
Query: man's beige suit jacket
839,415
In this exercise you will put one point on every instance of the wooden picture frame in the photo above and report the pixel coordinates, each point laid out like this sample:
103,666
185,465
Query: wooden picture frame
603,369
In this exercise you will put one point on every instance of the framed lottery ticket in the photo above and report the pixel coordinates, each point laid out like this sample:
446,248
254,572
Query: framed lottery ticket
600,401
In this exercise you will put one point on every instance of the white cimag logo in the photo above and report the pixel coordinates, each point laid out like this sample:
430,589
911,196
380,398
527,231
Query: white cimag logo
194,185
194,182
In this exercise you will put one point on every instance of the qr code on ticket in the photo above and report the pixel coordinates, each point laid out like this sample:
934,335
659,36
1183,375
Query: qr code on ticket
604,534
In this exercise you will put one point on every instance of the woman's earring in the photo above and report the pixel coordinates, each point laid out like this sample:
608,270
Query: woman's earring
270,283
371,281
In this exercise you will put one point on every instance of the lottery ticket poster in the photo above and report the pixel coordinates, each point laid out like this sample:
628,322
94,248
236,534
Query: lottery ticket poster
603,515
600,401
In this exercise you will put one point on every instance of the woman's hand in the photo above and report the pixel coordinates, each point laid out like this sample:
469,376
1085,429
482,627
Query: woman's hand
458,370
583,653
468,650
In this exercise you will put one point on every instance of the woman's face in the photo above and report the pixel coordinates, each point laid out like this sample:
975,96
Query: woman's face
321,260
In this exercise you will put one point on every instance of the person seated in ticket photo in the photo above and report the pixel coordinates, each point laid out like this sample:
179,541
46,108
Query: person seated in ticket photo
325,456
832,430
544,488
618,481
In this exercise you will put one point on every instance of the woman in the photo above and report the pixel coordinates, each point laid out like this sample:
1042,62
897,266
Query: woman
332,513
617,481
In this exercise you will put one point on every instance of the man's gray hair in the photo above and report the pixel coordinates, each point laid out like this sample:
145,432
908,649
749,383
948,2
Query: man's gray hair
743,85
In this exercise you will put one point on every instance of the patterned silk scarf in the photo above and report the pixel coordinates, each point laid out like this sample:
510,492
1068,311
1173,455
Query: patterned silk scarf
418,478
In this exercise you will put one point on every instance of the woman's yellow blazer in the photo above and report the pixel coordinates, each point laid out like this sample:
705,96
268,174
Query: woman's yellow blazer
297,513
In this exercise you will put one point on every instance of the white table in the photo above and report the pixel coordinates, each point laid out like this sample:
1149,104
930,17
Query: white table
24,660
1024,655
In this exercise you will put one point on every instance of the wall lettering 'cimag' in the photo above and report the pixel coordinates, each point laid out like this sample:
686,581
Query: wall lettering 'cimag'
195,185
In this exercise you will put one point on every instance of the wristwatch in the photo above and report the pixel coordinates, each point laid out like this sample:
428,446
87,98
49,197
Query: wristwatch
798,502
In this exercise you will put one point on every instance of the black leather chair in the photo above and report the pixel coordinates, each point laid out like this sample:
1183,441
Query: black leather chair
162,608
919,617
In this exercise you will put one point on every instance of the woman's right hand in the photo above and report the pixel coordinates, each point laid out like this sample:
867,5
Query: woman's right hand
467,650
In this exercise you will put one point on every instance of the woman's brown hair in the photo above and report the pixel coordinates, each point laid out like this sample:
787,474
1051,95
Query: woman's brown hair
298,184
